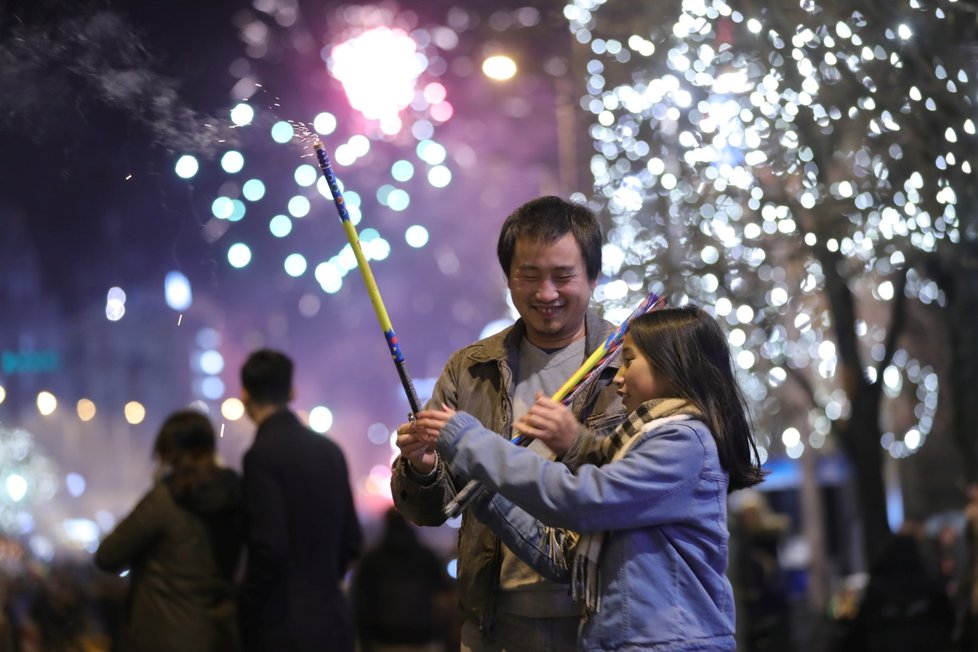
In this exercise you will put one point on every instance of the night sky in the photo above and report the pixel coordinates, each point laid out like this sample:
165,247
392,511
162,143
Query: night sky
101,99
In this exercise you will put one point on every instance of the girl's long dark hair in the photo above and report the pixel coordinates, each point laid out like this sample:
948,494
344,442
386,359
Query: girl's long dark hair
186,443
686,347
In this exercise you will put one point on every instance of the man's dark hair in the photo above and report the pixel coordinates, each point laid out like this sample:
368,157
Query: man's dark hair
547,219
267,377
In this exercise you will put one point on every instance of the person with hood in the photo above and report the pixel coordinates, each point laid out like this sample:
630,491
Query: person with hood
181,544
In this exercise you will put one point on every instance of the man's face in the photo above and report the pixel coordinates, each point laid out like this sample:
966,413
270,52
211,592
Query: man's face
550,290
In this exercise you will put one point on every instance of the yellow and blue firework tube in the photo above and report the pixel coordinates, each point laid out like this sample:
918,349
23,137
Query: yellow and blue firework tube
368,277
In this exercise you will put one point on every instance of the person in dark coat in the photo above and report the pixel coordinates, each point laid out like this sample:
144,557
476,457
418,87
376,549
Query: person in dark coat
400,592
904,608
302,528
181,544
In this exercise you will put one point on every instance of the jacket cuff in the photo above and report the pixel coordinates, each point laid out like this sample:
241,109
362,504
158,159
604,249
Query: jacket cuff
423,479
574,456
447,444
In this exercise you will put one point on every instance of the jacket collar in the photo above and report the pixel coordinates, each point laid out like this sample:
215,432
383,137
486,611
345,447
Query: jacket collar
276,421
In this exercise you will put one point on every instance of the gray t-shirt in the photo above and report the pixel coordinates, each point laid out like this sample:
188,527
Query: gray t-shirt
543,371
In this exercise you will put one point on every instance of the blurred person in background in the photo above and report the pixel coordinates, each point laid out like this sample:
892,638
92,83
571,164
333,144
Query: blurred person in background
401,593
760,583
969,580
904,608
302,529
181,544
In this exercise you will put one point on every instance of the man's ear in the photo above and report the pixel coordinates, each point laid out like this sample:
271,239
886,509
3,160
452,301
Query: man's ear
291,394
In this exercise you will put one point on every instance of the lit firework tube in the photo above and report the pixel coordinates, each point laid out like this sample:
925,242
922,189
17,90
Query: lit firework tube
368,277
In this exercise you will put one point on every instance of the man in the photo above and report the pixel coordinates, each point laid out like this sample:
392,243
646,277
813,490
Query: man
550,251
302,531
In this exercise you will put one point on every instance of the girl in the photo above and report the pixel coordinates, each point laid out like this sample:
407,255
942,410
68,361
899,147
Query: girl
649,501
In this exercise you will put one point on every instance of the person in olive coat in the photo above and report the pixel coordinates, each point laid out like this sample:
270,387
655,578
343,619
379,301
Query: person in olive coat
181,544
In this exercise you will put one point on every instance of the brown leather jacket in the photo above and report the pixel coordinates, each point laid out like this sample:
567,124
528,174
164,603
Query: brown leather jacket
479,380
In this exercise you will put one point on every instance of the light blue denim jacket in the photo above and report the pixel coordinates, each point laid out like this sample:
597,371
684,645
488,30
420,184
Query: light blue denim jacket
663,507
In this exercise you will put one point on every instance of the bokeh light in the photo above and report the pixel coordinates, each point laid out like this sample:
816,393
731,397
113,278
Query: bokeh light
402,170
85,409
306,175
499,67
186,166
232,162
439,176
280,226
222,208
232,409
324,123
211,362
299,206
239,255
135,412
176,291
416,236
212,388
253,189
320,419
282,132
16,487
242,114
46,403
295,265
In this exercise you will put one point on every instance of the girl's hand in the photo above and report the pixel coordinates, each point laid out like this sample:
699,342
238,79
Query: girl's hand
431,421
551,422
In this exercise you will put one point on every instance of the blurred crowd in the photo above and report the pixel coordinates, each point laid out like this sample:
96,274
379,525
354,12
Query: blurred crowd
67,605
71,606
919,593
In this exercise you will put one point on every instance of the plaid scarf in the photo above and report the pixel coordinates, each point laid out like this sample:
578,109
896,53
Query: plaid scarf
582,551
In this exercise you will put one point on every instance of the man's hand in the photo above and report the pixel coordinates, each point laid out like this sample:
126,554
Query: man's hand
551,422
415,445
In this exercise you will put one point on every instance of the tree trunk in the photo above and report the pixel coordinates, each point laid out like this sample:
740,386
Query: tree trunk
860,434
960,282
861,439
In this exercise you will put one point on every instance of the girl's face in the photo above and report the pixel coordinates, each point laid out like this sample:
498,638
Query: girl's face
636,380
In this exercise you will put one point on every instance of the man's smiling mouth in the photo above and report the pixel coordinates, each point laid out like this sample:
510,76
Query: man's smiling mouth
548,310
